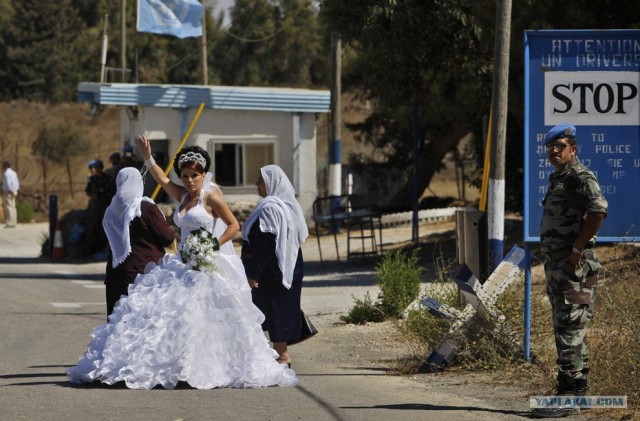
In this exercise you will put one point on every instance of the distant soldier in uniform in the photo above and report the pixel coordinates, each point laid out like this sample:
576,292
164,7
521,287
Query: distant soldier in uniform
100,190
574,209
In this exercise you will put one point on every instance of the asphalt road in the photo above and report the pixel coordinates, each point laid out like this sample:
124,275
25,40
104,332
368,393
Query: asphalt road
47,312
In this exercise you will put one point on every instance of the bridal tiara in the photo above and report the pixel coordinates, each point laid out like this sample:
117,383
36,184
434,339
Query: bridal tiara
191,157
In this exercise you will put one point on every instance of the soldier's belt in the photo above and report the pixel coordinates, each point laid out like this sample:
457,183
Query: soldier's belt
563,254
554,256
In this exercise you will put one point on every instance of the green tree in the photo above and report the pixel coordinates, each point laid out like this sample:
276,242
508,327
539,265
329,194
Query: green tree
47,51
6,14
59,143
425,54
273,43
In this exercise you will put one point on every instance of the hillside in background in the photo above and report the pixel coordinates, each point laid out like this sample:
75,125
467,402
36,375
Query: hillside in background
21,122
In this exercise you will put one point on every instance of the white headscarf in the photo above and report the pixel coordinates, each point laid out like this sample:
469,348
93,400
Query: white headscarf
280,214
124,206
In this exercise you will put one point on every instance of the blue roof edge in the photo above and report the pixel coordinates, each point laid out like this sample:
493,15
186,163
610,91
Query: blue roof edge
216,97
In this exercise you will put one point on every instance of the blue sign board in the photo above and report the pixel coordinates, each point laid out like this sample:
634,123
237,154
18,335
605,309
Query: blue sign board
590,79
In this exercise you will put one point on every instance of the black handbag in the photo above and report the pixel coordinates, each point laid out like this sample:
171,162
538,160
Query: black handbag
307,330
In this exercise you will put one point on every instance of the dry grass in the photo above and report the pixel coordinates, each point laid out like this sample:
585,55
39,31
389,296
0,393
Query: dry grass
21,122
614,335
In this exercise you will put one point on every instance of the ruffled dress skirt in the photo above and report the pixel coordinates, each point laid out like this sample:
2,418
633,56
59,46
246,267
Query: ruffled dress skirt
182,325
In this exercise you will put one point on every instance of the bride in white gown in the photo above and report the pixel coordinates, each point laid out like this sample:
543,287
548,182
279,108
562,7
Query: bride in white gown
180,324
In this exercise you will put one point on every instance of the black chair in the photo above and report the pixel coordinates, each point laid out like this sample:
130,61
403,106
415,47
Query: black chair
356,215
361,220
326,219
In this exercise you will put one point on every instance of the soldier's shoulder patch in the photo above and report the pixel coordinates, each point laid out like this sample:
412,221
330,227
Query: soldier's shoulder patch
578,169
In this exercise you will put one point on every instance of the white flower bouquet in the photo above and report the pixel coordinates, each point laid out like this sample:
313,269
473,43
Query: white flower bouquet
199,250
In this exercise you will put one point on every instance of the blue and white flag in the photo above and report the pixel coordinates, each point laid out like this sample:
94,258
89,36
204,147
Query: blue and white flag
180,18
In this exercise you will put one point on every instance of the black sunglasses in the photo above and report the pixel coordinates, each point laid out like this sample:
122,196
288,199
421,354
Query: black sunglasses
559,146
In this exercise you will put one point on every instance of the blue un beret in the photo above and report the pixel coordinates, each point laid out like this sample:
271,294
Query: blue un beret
96,163
560,131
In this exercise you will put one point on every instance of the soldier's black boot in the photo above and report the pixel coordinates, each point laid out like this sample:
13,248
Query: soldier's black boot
582,387
566,388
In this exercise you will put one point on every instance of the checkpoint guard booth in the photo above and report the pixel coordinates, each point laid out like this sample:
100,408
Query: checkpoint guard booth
242,128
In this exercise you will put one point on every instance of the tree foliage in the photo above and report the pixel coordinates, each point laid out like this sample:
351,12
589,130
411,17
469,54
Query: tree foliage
439,54
272,43
48,47
46,56
429,55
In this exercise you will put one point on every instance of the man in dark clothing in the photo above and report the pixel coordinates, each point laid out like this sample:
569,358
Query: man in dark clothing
100,190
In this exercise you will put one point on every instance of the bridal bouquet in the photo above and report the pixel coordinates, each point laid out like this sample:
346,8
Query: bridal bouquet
199,250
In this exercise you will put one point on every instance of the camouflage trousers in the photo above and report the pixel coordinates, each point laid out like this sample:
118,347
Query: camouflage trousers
572,295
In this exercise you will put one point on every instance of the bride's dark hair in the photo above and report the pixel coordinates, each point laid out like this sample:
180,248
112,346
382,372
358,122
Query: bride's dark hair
196,150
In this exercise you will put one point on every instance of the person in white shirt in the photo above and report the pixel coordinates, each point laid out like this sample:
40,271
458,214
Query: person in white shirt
10,187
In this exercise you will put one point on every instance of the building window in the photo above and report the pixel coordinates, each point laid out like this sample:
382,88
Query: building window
237,161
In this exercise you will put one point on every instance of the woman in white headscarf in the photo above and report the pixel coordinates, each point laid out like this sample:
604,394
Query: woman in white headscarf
137,232
272,257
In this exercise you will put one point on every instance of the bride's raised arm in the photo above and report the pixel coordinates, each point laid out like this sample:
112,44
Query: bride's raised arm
174,190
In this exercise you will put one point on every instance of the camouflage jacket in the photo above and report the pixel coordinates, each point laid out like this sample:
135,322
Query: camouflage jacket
572,192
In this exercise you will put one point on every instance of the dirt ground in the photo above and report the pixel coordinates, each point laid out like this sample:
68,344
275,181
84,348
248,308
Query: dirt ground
382,347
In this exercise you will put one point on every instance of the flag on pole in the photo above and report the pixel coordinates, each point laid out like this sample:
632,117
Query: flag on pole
180,18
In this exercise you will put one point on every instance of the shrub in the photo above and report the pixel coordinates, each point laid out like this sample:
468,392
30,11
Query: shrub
364,311
399,280
25,212
426,327
488,344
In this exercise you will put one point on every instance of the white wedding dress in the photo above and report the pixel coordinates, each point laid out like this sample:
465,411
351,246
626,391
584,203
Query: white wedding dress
179,324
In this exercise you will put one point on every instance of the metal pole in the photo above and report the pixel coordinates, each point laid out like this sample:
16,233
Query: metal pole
185,136
123,36
105,43
53,220
527,301
416,169
204,76
335,166
335,169
499,125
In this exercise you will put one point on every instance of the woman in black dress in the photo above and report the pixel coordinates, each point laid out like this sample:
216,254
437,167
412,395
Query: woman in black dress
272,257
137,231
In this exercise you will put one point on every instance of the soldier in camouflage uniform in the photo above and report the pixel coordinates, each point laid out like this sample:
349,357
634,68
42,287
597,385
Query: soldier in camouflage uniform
574,209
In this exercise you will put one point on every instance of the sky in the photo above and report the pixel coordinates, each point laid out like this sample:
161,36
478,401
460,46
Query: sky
223,5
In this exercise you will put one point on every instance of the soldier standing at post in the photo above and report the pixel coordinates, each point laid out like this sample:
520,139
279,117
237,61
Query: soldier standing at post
574,209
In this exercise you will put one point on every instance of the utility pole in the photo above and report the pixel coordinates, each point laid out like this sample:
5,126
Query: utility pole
415,228
105,44
335,167
204,76
499,130
123,47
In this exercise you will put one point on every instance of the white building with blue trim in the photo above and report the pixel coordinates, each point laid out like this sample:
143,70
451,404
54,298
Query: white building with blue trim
242,128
